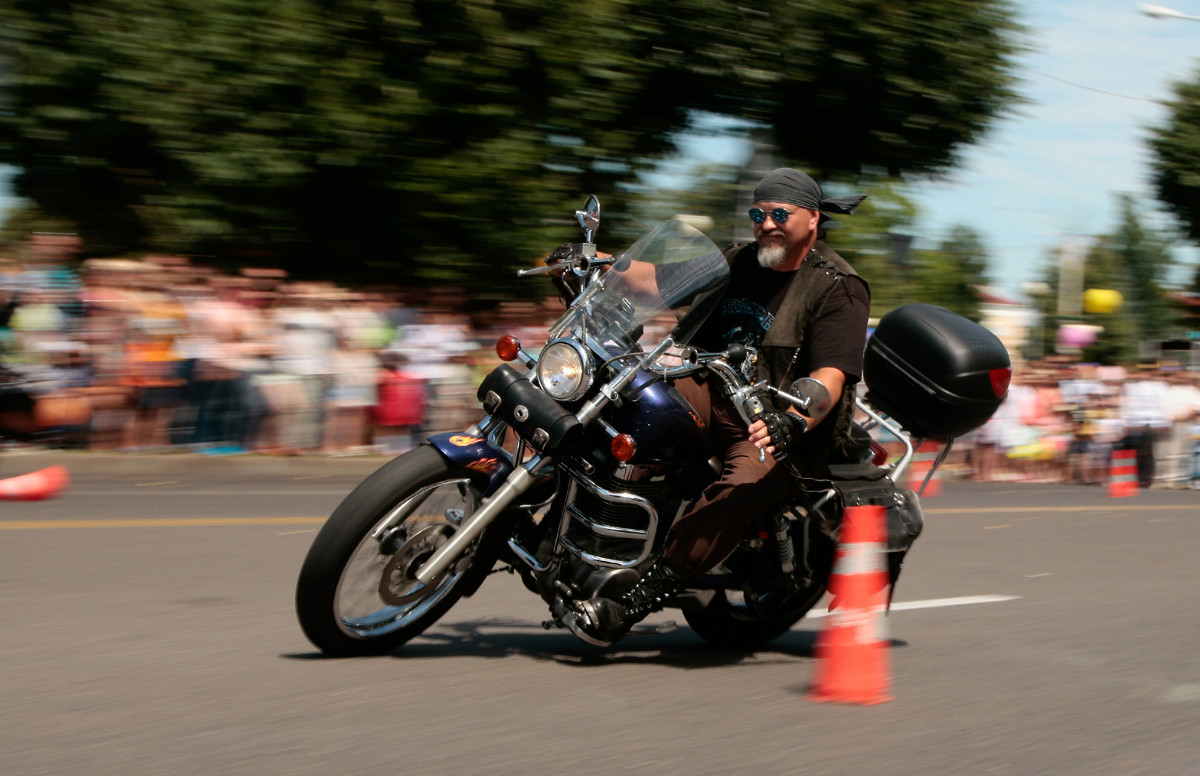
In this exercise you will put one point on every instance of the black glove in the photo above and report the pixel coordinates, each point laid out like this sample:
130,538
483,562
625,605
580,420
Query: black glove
567,252
784,428
566,281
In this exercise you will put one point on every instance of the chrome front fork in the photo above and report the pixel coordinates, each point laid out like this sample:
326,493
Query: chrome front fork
517,483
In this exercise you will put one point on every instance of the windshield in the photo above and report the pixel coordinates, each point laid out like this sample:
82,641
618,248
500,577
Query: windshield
689,275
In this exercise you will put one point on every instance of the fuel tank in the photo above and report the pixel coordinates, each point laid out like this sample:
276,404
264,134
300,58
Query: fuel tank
667,430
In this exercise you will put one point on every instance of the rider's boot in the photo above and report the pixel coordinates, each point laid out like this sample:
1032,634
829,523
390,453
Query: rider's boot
601,621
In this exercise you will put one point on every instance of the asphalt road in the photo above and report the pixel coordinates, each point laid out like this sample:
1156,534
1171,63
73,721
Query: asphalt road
146,627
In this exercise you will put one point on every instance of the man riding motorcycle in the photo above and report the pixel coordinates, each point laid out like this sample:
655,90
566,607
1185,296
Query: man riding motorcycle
800,310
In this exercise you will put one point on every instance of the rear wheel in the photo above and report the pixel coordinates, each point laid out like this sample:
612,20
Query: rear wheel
357,594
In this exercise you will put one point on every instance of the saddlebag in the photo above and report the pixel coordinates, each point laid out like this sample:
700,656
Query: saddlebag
938,374
904,516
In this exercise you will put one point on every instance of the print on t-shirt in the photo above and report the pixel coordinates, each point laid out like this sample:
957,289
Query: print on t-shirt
744,322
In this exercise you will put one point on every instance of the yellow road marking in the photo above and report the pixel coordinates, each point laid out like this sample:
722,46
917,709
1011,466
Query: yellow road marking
1014,510
158,522
200,522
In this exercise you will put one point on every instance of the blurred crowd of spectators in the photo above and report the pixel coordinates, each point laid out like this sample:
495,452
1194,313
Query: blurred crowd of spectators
1062,422
161,353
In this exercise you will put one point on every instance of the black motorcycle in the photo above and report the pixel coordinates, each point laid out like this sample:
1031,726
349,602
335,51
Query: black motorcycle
587,454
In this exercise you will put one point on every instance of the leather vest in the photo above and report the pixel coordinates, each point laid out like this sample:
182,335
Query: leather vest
781,357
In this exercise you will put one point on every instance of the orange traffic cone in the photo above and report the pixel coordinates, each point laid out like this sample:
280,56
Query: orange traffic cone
1122,473
852,651
922,465
35,486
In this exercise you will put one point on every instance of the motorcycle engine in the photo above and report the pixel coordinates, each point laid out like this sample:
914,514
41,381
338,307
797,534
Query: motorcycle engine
630,499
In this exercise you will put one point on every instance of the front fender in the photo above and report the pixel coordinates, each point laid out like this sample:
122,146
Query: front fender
489,465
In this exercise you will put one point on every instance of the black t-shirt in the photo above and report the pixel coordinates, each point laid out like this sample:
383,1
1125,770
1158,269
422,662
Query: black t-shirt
835,337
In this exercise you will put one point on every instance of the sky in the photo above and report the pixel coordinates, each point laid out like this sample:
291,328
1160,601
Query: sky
1094,78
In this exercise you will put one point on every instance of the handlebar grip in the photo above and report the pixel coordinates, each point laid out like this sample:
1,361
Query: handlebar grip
521,273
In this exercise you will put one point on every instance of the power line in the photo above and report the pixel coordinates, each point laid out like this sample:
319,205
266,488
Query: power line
1100,91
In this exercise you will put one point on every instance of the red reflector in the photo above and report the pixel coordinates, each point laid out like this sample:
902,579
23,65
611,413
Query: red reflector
623,447
508,347
1000,379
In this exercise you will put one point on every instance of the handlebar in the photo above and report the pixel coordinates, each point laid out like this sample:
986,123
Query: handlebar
747,398
582,267
724,365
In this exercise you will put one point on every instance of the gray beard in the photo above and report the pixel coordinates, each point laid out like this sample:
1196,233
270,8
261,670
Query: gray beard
771,255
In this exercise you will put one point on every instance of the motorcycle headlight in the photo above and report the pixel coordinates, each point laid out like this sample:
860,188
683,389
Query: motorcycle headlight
564,370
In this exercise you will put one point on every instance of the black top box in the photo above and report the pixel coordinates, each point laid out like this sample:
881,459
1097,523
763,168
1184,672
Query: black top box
936,373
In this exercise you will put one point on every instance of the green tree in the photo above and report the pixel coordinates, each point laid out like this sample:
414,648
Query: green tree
1039,341
445,141
23,221
951,275
708,193
1145,257
1135,262
1118,342
1175,155
876,241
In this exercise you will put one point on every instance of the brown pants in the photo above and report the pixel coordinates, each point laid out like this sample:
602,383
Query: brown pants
712,528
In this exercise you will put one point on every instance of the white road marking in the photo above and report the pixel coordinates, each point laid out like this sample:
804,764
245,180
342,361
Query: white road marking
933,603
1184,693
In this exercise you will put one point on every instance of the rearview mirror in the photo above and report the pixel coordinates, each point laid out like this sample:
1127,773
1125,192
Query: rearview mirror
589,218
815,401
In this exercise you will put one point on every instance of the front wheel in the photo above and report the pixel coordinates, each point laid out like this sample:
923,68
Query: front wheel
357,594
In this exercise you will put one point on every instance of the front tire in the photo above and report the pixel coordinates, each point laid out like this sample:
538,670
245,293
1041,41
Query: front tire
356,594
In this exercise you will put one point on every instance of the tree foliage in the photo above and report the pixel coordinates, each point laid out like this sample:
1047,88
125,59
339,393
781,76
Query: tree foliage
1145,259
875,240
1118,342
1134,261
434,140
952,275
1175,155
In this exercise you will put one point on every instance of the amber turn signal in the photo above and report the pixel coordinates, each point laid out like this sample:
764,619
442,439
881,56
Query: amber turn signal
623,447
508,347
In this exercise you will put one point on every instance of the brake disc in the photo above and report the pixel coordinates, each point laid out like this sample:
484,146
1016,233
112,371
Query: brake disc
397,584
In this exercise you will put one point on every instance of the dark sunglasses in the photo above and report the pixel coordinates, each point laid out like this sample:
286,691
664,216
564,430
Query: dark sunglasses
778,215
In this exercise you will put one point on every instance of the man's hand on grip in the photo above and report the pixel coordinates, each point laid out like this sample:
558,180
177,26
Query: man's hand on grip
783,429
567,252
